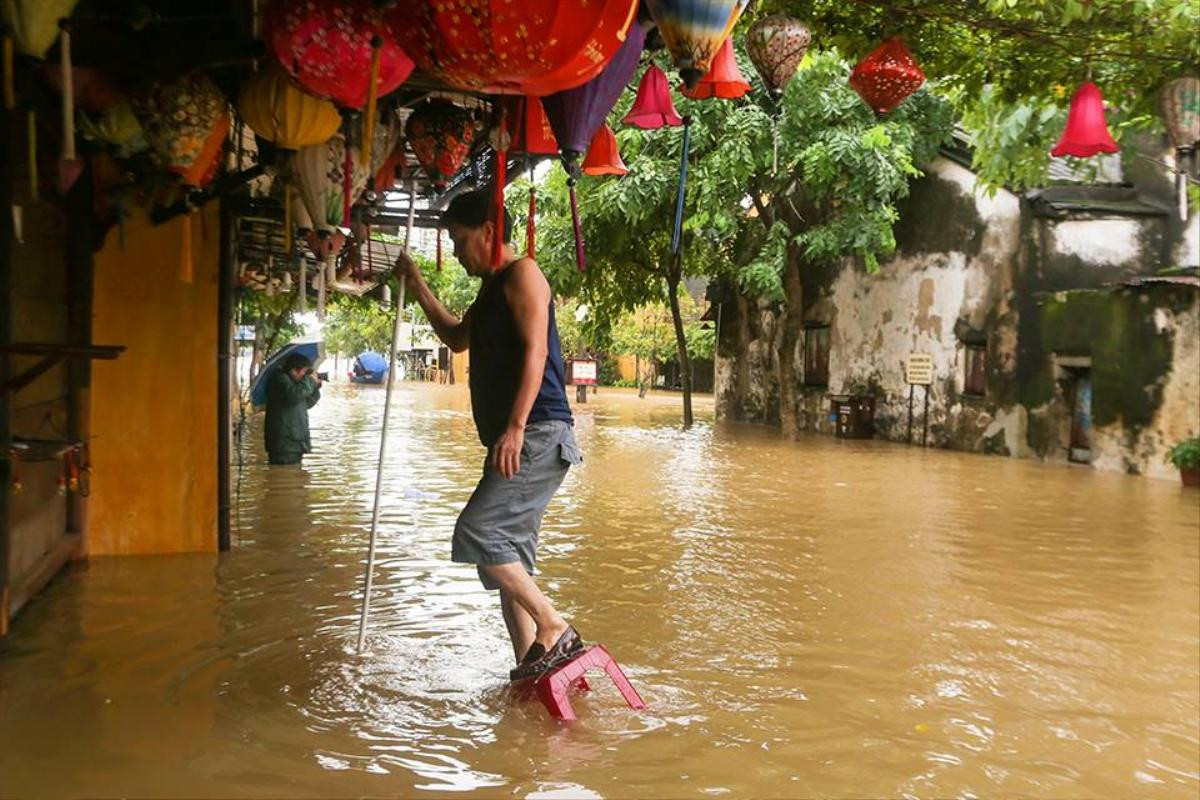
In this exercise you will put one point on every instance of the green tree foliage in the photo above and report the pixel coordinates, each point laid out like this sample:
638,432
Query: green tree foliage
1010,67
354,324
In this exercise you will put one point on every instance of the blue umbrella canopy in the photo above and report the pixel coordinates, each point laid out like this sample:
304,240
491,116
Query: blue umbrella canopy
314,351
372,362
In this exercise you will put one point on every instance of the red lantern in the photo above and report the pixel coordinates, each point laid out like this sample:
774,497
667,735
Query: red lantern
440,135
723,79
1087,130
328,47
886,77
653,108
603,157
531,131
531,47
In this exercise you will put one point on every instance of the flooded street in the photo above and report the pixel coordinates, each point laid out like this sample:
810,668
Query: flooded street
821,617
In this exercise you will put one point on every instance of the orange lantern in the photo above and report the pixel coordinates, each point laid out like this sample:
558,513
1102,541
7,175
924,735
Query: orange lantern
723,80
603,157
531,47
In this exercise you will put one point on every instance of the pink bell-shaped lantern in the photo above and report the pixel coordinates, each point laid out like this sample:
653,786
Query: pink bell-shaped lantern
603,157
653,108
723,80
1087,129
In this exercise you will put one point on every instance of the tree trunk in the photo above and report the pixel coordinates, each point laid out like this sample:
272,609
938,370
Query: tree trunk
791,322
685,363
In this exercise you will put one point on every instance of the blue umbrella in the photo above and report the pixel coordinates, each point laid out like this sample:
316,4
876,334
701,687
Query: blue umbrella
313,351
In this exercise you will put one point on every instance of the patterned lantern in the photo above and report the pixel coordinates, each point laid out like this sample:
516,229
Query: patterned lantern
531,47
1086,133
653,108
723,80
776,45
331,176
886,77
694,30
440,135
1180,100
280,112
328,47
603,157
185,123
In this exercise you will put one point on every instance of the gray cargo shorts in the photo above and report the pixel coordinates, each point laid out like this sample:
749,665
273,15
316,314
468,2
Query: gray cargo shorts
500,523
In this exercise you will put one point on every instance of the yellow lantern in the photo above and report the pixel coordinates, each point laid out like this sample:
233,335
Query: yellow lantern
281,112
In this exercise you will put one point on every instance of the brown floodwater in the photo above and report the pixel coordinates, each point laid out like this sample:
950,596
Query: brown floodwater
821,617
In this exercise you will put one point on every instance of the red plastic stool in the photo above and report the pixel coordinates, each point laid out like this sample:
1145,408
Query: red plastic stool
554,686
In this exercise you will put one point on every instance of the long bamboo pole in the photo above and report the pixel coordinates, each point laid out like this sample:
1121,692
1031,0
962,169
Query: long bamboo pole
383,435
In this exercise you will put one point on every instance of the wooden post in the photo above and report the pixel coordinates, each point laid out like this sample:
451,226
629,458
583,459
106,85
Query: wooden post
226,283
80,286
911,389
7,156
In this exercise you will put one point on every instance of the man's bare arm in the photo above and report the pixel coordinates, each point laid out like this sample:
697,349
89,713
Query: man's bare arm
454,332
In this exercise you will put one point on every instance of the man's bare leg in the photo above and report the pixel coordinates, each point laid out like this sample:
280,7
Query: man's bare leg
520,624
516,583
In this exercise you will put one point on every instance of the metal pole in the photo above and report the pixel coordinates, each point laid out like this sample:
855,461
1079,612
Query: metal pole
383,435
925,418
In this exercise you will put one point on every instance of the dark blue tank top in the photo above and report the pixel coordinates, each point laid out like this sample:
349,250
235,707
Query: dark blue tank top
497,355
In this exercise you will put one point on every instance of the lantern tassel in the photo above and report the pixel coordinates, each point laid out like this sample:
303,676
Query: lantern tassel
10,95
677,234
774,146
372,91
579,262
501,177
185,266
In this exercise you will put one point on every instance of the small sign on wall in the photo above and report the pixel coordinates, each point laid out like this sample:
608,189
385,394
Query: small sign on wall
919,369
582,371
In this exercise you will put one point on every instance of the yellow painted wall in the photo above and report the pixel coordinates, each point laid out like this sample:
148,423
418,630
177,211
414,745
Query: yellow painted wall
154,409
627,368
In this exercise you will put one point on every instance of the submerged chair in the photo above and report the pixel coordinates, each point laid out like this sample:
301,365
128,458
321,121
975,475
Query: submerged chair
554,686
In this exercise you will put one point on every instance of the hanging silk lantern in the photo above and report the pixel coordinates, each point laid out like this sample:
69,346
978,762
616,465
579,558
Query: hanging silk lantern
531,131
694,30
34,23
887,76
776,45
326,46
388,175
653,107
1180,102
440,134
185,123
603,157
723,80
576,114
279,111
530,47
1086,133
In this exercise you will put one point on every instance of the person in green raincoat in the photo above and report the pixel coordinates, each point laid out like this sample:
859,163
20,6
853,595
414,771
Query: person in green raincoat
293,390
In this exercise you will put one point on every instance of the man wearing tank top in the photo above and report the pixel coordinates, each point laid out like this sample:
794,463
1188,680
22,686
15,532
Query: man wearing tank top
519,401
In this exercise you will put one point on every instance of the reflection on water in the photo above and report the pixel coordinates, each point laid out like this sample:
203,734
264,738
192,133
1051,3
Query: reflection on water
814,618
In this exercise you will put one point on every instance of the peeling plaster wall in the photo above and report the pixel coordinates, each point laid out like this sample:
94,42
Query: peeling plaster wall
970,269
930,300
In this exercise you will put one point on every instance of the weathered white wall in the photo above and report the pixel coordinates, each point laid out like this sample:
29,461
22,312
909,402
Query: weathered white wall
1099,242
